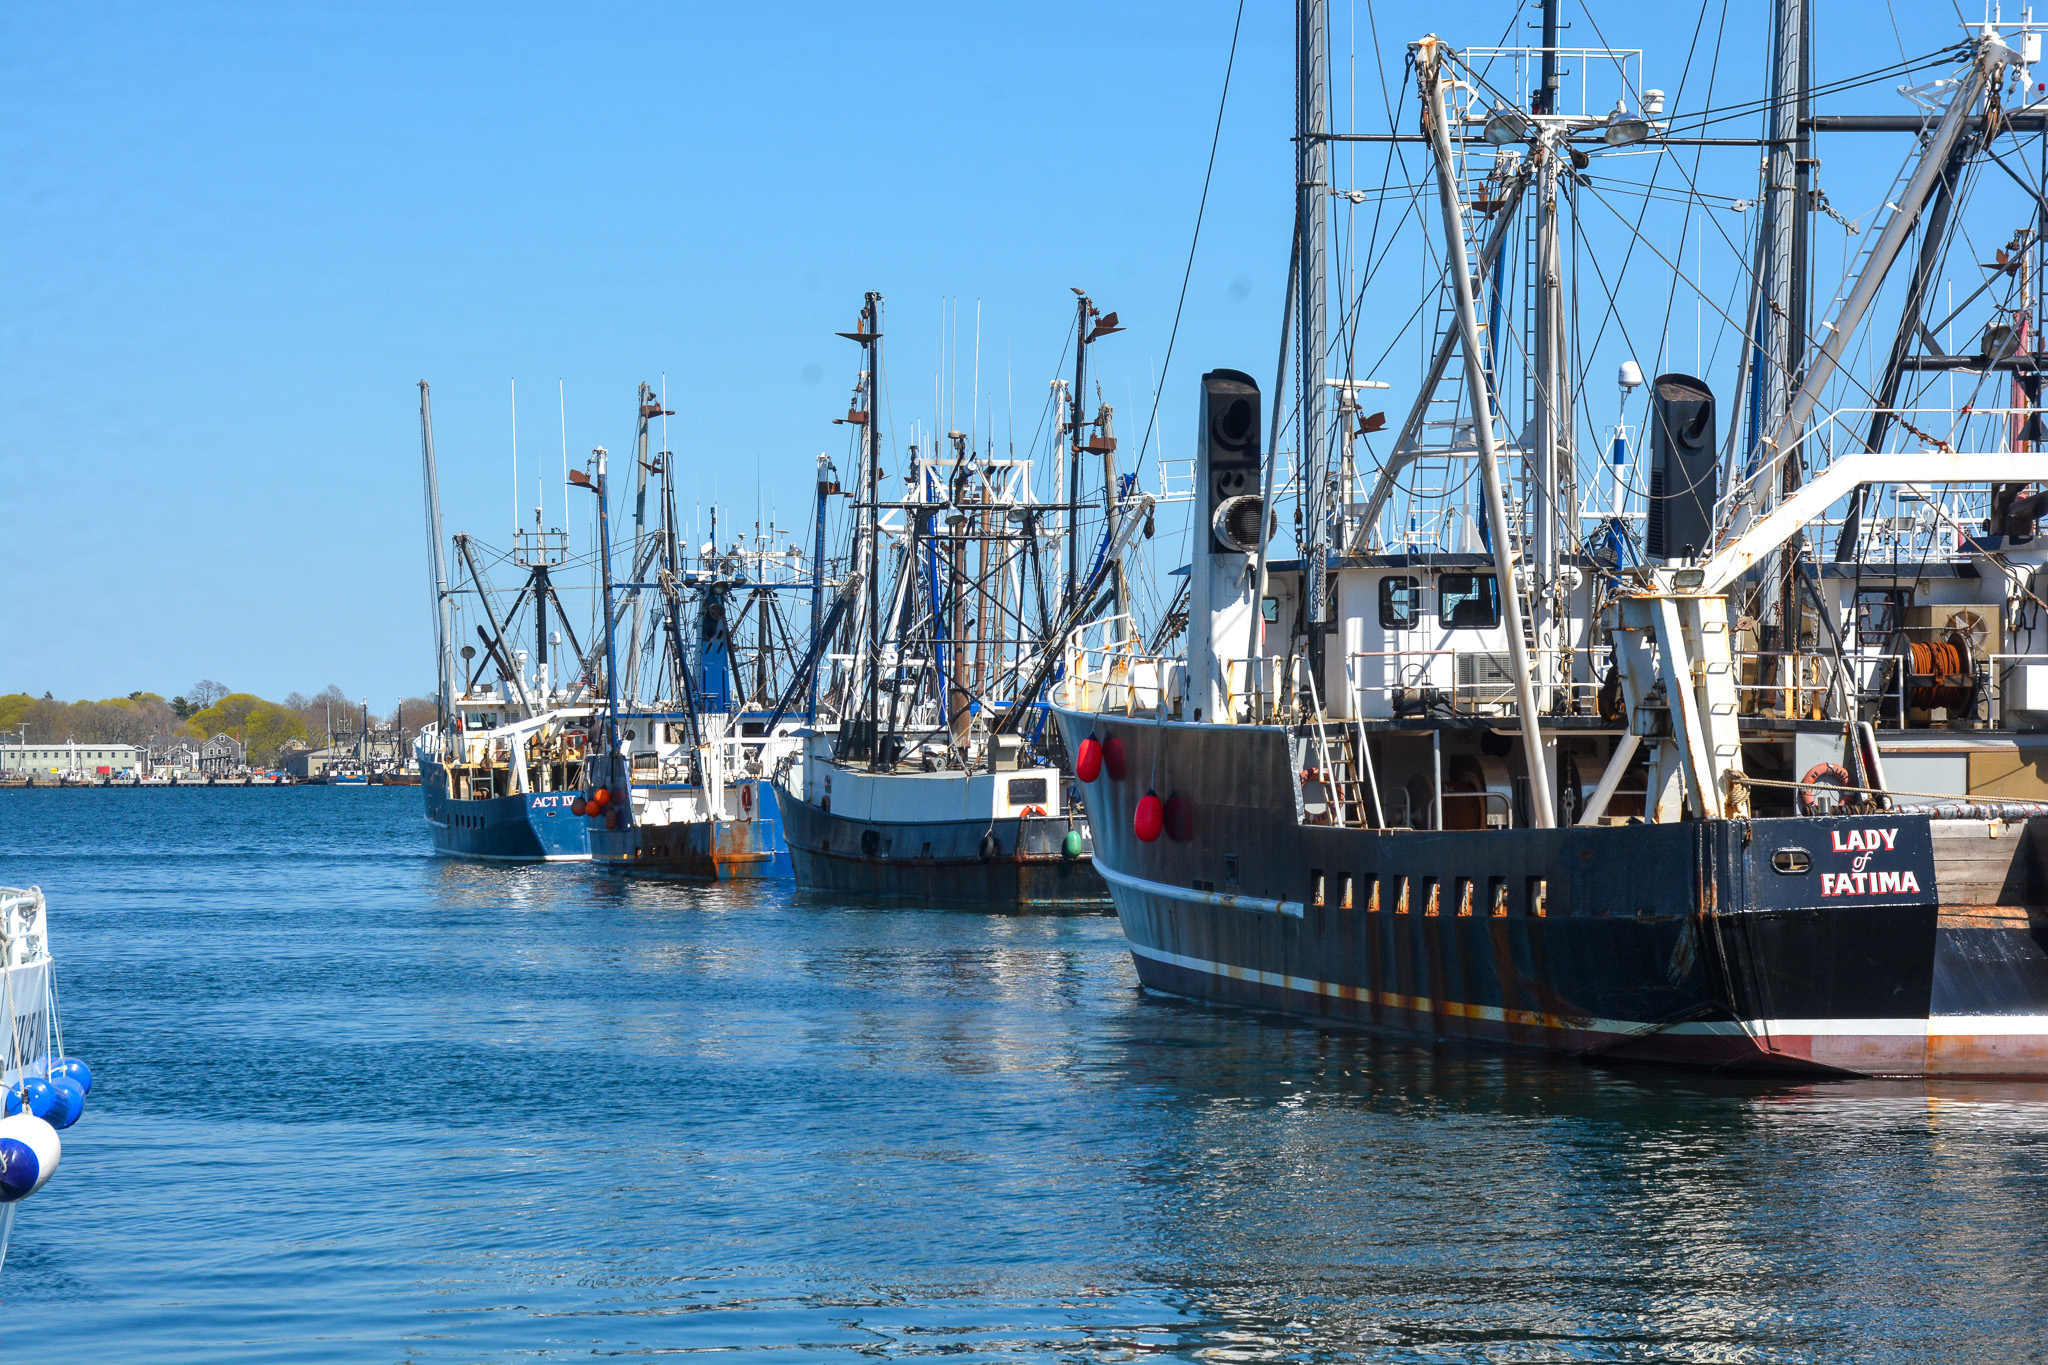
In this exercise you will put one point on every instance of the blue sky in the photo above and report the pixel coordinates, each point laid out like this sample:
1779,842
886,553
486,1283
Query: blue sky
235,236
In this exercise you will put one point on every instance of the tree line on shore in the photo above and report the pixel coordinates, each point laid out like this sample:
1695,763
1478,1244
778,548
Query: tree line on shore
266,729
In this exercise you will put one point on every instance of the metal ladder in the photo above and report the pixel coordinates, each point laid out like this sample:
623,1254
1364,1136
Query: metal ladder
1347,793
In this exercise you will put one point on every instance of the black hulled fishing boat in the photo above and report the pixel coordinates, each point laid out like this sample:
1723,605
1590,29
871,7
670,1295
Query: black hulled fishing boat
1813,835
928,769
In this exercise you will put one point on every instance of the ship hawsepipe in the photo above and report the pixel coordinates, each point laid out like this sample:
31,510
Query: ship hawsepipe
1894,944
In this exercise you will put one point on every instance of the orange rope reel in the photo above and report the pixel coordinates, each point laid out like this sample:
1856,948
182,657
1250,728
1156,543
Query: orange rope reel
1944,665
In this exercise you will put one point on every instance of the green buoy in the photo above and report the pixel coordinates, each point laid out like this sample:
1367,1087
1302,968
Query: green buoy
1070,847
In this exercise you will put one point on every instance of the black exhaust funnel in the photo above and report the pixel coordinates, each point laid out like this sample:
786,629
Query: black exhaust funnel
1685,468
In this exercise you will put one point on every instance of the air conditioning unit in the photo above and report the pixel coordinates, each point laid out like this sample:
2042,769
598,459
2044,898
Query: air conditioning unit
1485,680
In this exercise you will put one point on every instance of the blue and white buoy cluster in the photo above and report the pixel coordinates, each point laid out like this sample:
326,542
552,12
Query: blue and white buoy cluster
36,1108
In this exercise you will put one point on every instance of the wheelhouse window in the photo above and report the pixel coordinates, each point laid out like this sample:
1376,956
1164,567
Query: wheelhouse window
1400,603
1468,601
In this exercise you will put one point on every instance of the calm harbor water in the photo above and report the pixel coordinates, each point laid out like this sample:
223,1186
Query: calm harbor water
354,1102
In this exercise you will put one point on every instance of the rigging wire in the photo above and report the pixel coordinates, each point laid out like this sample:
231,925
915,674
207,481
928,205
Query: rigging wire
1201,208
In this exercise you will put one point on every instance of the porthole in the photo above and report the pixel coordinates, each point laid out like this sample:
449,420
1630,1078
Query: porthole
1792,861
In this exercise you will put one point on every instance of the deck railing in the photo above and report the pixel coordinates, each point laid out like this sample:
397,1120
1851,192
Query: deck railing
1107,670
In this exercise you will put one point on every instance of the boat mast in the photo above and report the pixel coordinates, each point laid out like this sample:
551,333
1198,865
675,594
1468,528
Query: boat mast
1552,423
1781,320
1074,401
644,547
671,551
826,488
1312,175
1430,55
541,588
868,332
959,701
611,656
1102,443
437,561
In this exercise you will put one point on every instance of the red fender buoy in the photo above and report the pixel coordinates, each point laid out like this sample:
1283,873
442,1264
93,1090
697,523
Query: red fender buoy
1088,759
578,806
601,798
1150,818
1113,758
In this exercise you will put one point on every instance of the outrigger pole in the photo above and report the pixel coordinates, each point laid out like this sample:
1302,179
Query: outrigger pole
444,662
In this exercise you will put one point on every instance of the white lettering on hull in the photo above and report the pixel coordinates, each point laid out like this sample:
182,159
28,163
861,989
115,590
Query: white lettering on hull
1869,884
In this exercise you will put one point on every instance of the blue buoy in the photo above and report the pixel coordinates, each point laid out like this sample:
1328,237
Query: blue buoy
70,1102
29,1149
75,1069
33,1095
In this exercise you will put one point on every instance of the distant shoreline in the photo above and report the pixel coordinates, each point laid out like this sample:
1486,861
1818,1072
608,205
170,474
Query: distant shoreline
188,784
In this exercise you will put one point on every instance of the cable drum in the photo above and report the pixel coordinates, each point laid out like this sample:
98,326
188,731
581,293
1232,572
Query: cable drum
1941,675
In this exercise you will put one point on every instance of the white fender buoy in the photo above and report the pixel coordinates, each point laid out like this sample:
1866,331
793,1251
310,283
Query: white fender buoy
29,1149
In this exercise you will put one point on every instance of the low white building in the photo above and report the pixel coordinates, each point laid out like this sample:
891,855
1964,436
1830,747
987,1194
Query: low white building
51,760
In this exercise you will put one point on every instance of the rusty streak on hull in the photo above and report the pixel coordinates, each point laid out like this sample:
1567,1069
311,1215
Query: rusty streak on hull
705,850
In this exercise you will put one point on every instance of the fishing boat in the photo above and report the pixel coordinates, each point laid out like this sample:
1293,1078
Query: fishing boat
675,786
358,771
1722,748
927,770
44,1089
503,760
